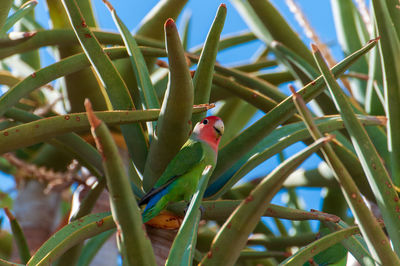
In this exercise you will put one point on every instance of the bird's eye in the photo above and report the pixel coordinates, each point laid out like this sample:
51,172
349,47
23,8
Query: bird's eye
205,121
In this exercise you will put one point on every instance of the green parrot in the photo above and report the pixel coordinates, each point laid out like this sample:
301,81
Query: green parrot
180,178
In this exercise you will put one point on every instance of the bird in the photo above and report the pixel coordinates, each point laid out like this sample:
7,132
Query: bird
181,176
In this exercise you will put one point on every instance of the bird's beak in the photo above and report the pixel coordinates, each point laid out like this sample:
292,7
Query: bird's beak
219,127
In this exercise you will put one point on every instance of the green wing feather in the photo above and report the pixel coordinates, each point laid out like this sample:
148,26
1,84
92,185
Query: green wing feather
191,153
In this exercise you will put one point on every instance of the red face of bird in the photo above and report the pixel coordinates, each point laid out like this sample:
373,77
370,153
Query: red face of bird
210,129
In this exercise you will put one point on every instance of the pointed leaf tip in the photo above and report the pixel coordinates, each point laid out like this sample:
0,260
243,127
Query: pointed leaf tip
170,23
93,120
10,216
314,48
375,40
293,90
108,4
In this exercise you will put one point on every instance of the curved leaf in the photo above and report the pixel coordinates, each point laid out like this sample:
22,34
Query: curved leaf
173,125
282,138
44,129
20,13
136,246
202,79
365,218
147,92
182,249
47,74
234,150
70,235
389,47
304,254
374,169
66,37
232,237
116,91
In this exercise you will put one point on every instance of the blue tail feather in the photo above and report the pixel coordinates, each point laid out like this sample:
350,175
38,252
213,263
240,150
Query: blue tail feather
148,212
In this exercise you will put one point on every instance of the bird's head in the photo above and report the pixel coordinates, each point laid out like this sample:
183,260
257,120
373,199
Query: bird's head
210,129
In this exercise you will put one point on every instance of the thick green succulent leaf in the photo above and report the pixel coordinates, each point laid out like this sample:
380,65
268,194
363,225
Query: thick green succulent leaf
4,10
71,143
20,13
81,84
66,37
88,13
43,129
70,235
257,65
233,235
269,26
306,253
276,78
229,41
374,99
389,46
147,93
136,246
332,255
220,210
365,218
345,18
377,175
47,74
174,124
282,138
203,76
231,153
254,97
354,244
246,79
116,91
19,237
393,15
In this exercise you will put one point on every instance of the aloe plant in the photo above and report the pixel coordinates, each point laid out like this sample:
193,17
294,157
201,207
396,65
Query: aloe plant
144,92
